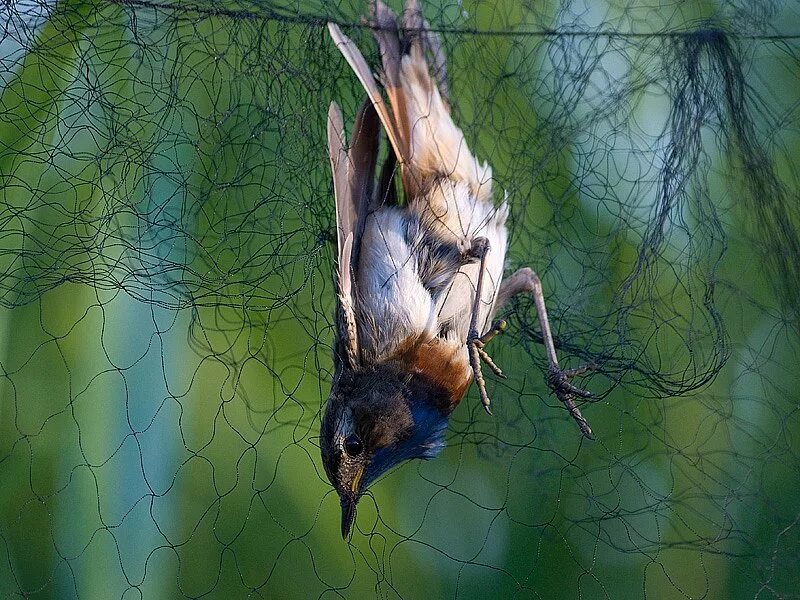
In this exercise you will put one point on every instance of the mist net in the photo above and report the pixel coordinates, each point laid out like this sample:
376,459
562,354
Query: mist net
166,249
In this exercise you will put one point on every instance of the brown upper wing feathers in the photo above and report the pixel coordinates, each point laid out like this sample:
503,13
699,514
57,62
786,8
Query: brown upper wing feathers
363,155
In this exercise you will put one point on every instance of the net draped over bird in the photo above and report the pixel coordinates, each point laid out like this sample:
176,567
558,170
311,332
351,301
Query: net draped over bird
419,282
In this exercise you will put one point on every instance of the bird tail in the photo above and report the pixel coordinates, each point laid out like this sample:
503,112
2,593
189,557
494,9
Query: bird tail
417,120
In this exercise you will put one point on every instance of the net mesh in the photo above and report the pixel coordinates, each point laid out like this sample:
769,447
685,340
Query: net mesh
166,244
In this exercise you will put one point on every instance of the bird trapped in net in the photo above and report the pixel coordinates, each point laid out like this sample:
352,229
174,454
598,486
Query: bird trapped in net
418,284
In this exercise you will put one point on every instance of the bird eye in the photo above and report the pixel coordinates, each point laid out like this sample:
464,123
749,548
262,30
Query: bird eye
353,445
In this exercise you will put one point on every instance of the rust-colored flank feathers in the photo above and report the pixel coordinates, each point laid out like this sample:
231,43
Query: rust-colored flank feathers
441,365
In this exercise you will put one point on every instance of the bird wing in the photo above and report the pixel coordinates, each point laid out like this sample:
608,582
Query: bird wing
353,181
362,157
387,117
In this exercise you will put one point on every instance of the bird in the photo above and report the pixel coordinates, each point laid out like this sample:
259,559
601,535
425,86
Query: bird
419,272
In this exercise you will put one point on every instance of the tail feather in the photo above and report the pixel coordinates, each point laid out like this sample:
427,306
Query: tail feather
384,23
438,147
417,122
438,65
356,61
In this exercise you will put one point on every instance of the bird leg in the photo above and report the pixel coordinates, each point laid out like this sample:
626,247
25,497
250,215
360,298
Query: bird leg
526,280
475,341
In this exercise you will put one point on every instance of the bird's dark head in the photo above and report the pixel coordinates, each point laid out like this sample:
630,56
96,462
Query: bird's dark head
375,419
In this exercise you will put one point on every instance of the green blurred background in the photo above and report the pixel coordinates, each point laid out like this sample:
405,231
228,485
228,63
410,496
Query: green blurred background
165,253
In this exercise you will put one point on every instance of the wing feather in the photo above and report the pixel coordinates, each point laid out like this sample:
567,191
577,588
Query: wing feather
345,223
339,167
356,61
363,155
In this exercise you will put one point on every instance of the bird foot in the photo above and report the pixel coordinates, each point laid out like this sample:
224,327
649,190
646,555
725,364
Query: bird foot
477,354
477,250
558,380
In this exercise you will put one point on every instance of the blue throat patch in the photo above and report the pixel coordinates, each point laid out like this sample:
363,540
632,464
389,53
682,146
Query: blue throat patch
426,441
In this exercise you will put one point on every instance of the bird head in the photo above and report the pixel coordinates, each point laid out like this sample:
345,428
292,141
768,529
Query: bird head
376,418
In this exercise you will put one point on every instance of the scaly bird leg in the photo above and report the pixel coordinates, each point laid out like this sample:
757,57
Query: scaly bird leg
499,327
475,341
525,280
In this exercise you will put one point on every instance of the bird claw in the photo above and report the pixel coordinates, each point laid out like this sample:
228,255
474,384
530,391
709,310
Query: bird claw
477,354
558,380
488,360
479,248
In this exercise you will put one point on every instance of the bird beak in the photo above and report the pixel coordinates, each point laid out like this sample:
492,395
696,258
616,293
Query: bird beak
348,503
348,499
